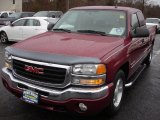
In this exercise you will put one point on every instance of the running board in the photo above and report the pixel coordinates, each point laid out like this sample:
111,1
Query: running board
135,76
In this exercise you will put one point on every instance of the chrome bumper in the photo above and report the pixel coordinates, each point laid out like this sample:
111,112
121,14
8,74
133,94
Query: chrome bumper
57,94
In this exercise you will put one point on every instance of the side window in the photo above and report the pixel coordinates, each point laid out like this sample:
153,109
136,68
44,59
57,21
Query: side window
24,15
31,22
36,23
4,15
19,22
30,14
52,15
135,22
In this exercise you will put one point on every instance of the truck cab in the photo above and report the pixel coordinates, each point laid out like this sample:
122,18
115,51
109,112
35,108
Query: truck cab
83,63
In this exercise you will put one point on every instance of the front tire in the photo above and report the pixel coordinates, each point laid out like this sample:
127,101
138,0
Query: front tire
149,58
117,94
3,37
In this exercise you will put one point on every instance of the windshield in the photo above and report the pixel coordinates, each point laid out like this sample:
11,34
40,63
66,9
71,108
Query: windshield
15,15
104,22
41,14
152,21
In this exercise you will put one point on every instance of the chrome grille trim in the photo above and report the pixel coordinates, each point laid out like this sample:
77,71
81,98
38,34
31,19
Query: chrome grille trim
66,83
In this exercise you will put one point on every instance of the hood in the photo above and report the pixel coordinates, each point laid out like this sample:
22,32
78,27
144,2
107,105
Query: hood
71,44
7,19
4,20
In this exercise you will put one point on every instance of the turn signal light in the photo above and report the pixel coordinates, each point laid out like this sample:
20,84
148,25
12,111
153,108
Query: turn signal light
92,82
101,69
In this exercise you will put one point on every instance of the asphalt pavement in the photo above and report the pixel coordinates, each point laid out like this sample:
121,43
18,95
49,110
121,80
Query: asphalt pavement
141,101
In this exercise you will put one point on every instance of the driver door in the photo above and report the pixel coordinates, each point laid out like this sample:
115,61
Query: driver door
136,50
16,30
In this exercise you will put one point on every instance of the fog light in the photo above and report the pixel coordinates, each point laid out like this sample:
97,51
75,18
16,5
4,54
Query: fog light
8,65
83,107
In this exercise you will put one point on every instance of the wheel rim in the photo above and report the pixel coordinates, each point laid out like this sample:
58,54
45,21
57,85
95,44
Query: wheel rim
118,93
3,37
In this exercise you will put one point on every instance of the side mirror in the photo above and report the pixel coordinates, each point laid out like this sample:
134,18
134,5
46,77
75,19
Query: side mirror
11,24
50,26
140,32
53,16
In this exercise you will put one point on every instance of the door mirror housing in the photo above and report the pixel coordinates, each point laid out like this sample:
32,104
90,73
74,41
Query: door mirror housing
11,24
140,32
50,26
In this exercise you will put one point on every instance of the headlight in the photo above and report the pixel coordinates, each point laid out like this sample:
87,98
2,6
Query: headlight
8,60
8,56
89,69
89,74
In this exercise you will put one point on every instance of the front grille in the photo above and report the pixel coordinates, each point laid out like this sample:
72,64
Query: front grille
51,75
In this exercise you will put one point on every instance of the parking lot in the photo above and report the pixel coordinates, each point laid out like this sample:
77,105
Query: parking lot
141,101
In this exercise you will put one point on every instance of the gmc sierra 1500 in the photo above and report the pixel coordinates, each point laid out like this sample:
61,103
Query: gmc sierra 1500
83,63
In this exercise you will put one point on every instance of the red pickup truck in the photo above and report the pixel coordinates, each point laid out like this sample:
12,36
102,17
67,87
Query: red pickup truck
83,63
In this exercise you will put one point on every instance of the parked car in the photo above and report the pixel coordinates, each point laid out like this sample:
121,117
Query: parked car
5,14
155,22
50,20
50,14
23,28
15,16
83,63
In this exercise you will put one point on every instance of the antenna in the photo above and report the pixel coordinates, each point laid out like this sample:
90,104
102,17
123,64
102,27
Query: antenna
116,3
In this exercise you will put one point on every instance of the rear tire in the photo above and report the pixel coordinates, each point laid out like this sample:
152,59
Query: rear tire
118,94
3,37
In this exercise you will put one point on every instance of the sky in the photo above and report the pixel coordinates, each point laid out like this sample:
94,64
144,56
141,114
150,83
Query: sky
156,1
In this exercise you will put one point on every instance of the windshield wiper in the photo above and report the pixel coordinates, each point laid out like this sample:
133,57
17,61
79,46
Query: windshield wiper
92,31
61,29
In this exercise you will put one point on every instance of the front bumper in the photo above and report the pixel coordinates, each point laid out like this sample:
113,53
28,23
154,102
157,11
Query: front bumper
68,98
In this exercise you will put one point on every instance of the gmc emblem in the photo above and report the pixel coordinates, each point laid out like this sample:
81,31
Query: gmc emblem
35,70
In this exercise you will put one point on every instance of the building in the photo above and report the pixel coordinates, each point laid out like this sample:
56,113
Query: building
11,5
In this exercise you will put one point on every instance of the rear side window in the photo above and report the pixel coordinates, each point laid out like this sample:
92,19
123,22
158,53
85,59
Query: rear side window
24,15
36,23
52,14
31,22
30,14
135,22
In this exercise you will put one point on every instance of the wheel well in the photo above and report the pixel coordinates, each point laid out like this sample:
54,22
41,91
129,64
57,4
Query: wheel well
1,32
125,68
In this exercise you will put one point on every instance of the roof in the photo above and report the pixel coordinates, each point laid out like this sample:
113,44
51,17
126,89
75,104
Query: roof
24,12
49,11
128,9
37,18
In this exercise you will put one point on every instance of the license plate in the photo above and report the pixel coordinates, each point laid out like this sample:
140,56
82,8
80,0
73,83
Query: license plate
30,97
